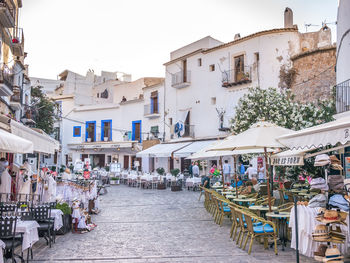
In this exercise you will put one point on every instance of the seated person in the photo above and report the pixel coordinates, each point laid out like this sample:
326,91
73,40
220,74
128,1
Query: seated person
239,182
206,181
256,186
249,189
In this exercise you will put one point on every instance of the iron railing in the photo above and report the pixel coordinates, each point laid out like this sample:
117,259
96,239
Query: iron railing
151,109
236,77
180,78
342,101
6,76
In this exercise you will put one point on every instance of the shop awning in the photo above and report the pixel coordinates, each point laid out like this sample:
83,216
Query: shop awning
14,144
162,150
42,142
192,148
330,133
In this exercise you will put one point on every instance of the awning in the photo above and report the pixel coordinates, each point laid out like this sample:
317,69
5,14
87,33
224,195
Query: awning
192,148
14,144
42,142
162,150
329,133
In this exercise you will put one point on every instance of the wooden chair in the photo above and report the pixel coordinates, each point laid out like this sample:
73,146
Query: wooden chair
265,230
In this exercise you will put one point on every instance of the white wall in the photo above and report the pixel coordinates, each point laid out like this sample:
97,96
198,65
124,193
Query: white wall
343,58
274,51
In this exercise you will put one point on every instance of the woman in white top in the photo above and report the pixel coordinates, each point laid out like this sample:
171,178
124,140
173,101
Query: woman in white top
261,173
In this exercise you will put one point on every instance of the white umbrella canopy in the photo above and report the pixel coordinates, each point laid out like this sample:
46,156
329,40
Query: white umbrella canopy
14,144
260,135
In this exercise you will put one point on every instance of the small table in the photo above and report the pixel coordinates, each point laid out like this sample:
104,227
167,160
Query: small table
282,217
262,209
244,200
299,191
30,233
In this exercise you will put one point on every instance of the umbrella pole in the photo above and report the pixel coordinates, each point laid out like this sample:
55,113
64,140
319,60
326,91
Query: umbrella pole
268,180
235,171
222,172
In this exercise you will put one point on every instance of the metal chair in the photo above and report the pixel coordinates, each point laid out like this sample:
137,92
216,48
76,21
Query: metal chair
41,214
8,236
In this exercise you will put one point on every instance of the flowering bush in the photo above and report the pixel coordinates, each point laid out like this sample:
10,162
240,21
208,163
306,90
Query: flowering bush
280,108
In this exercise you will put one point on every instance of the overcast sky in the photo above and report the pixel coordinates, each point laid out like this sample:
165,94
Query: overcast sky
136,36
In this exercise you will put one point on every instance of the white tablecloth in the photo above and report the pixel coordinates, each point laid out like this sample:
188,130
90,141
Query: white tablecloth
57,215
30,233
306,225
2,246
193,181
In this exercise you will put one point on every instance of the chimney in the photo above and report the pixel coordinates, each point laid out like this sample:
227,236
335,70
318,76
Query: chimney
237,36
288,18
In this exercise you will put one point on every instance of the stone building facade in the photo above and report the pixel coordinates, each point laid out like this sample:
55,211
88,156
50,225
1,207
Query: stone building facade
315,75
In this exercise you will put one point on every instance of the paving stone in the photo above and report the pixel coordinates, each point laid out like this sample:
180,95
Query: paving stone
143,225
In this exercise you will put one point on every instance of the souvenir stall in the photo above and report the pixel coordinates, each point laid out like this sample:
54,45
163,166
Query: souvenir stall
322,229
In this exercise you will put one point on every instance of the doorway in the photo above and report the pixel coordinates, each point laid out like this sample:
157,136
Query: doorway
126,162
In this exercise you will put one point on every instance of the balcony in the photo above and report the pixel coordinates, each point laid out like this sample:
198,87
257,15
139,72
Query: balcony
17,45
151,111
15,100
7,13
181,79
342,99
28,115
188,131
6,80
233,78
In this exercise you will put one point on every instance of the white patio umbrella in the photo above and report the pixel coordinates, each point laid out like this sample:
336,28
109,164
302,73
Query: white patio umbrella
260,135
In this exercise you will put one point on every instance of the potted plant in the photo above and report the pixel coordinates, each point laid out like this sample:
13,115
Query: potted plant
67,218
174,186
89,130
105,133
162,185
114,180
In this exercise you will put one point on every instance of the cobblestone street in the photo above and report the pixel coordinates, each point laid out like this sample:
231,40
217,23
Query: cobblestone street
154,226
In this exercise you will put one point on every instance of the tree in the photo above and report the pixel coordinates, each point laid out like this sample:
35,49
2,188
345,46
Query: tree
44,109
280,108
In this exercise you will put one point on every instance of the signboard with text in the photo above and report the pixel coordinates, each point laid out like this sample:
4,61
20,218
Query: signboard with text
287,160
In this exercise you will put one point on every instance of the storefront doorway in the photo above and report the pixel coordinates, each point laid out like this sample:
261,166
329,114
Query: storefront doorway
97,160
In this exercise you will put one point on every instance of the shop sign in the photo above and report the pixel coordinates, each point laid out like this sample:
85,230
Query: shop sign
287,160
347,167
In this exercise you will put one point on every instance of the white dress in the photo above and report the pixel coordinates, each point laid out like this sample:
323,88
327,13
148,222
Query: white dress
25,189
5,186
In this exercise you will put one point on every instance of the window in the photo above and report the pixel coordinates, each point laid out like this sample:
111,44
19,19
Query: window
136,131
212,67
57,133
90,131
170,121
154,102
213,100
98,95
76,131
106,130
155,131
199,62
239,68
104,94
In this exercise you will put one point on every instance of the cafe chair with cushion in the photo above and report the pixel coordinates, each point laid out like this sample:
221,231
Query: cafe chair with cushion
265,230
41,214
9,237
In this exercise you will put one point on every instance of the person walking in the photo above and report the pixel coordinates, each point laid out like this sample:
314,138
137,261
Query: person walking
251,172
241,169
195,170
261,173
226,169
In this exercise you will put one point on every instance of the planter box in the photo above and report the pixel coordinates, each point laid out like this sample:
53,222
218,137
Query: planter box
161,186
113,182
67,225
176,188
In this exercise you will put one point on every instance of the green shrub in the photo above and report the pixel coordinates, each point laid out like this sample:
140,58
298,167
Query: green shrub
64,207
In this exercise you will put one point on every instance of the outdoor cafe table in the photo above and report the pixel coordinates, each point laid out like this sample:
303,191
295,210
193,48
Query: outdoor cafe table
244,200
57,215
262,209
282,217
232,196
299,190
30,233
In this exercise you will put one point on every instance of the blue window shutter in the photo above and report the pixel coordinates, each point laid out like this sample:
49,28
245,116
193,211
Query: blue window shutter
151,105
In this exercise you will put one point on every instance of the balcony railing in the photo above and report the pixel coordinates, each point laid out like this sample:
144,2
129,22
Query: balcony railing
7,13
342,102
18,42
181,79
236,77
151,109
6,78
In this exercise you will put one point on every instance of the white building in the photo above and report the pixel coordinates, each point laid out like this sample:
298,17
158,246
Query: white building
205,80
343,58
107,118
